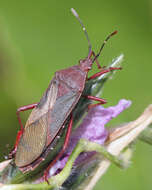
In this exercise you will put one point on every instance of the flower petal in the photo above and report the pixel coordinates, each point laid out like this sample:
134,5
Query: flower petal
92,128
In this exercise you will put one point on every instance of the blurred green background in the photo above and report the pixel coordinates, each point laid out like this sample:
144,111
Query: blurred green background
39,37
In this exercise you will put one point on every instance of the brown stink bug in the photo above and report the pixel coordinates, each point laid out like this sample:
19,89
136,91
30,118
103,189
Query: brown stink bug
54,110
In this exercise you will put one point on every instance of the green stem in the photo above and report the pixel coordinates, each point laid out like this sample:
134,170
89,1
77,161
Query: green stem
56,181
91,146
83,146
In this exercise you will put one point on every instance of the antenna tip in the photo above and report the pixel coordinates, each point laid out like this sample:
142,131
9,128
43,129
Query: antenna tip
74,12
115,32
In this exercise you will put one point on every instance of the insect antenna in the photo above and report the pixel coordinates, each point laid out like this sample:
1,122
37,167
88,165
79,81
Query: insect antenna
104,43
83,27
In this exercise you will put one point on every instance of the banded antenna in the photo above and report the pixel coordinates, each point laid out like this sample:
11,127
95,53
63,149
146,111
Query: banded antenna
104,43
83,27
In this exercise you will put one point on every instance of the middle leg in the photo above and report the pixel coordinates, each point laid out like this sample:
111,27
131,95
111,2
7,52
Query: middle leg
100,100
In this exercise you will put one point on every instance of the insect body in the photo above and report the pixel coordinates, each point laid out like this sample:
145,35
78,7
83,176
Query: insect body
55,108
50,113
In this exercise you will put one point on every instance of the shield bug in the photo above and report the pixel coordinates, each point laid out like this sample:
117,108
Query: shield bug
48,117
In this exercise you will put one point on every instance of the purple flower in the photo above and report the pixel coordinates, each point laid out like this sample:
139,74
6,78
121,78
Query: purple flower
92,129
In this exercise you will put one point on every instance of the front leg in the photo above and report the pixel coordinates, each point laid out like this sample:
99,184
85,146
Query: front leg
103,72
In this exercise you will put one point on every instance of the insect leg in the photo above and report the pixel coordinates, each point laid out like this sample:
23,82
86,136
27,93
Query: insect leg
20,132
66,141
24,108
100,100
103,72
